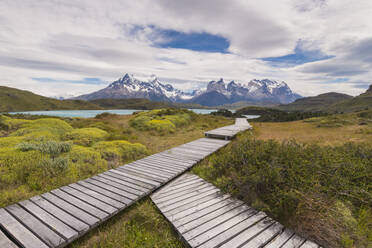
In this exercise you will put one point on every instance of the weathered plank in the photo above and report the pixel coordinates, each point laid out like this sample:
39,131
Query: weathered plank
55,224
91,209
19,232
40,230
113,189
72,210
99,200
105,192
67,218
264,237
227,230
137,177
280,239
117,184
229,132
5,242
294,242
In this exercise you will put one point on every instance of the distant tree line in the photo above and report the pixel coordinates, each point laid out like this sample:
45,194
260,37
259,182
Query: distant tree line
269,114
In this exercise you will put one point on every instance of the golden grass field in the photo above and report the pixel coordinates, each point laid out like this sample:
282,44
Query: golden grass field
304,132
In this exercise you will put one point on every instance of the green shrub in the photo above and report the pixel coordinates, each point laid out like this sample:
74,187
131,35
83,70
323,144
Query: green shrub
140,122
7,123
53,148
162,121
178,120
120,151
84,162
10,141
316,190
54,126
17,166
161,126
86,136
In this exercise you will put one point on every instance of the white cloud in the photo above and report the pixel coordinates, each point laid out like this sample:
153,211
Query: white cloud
72,40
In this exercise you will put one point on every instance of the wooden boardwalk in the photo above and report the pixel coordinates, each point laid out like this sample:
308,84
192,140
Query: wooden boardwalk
229,132
56,218
205,218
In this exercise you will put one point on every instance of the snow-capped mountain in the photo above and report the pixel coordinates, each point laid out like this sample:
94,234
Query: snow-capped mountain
130,87
265,91
216,93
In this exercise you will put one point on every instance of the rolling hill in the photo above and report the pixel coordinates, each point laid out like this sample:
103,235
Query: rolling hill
12,99
316,103
358,103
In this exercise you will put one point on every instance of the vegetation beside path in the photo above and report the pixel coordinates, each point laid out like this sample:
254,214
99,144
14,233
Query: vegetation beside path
305,174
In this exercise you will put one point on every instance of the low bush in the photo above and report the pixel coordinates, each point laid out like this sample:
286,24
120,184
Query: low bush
54,126
86,136
161,126
323,192
119,151
53,148
84,162
179,120
10,142
7,123
163,121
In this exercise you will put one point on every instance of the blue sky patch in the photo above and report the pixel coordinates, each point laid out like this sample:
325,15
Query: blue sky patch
299,57
201,42
83,81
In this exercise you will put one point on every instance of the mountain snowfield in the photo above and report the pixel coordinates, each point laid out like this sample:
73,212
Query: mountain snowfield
217,92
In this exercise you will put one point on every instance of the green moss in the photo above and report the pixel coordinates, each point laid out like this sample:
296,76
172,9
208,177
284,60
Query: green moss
86,136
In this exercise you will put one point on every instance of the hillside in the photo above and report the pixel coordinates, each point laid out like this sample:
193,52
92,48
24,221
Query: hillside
315,103
136,103
12,99
331,103
358,103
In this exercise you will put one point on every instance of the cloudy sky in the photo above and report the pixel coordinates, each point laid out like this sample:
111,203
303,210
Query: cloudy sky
70,47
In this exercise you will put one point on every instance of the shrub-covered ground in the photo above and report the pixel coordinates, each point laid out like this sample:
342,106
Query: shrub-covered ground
42,154
38,154
309,177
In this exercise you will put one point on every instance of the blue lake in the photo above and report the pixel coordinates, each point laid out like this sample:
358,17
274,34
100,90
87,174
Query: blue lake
93,113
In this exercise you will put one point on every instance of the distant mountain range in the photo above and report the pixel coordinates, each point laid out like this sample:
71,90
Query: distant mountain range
217,92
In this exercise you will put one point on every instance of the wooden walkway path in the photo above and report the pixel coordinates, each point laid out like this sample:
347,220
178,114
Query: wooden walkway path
229,132
205,218
60,216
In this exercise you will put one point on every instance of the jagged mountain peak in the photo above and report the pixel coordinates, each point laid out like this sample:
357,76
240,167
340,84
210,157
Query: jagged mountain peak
218,91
